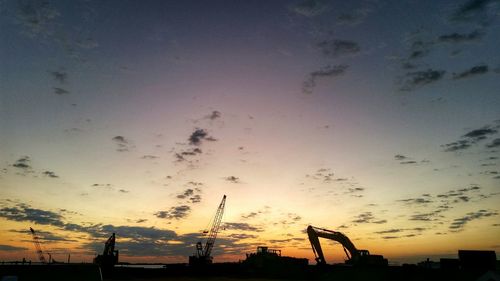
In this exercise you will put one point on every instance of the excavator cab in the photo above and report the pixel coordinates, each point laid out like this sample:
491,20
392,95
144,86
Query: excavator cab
364,253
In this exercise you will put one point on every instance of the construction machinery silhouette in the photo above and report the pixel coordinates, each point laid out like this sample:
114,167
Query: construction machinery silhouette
38,248
109,257
355,256
202,256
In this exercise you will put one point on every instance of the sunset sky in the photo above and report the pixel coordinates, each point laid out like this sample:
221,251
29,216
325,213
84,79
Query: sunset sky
379,119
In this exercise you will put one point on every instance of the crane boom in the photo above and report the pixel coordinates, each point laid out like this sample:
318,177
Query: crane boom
203,251
38,248
212,235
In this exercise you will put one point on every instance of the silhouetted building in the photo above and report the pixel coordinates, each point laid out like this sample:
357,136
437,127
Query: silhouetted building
449,264
477,260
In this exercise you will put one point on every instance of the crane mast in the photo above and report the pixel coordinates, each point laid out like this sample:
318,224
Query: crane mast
38,248
203,252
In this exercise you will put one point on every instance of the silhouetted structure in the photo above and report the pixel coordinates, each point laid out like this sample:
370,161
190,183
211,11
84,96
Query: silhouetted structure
355,257
109,257
270,261
38,248
477,260
202,256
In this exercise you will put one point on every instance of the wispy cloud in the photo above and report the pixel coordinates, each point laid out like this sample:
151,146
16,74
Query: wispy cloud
471,137
50,174
459,223
473,71
456,38
60,91
325,72
8,248
472,10
368,217
150,157
309,8
494,143
416,79
37,18
241,226
335,47
59,76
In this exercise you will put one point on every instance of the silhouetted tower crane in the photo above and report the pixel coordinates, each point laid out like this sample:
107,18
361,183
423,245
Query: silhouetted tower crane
203,252
38,248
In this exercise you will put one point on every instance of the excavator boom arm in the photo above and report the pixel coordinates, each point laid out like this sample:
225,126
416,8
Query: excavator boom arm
315,232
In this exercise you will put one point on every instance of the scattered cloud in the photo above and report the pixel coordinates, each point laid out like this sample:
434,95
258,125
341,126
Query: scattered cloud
122,143
8,248
368,217
336,48
473,71
327,71
456,146
103,185
255,214
470,138
24,212
60,91
59,76
37,18
417,79
494,143
50,174
472,10
430,216
400,157
358,16
177,212
241,226
198,135
149,157
460,37
240,236
421,200
23,163
309,8
186,193
214,115
232,179
459,223
45,236
192,195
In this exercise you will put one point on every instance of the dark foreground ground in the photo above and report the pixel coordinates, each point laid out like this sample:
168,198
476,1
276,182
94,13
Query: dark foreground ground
237,272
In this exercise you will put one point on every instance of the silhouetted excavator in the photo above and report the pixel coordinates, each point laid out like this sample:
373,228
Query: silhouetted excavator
202,256
109,256
354,256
